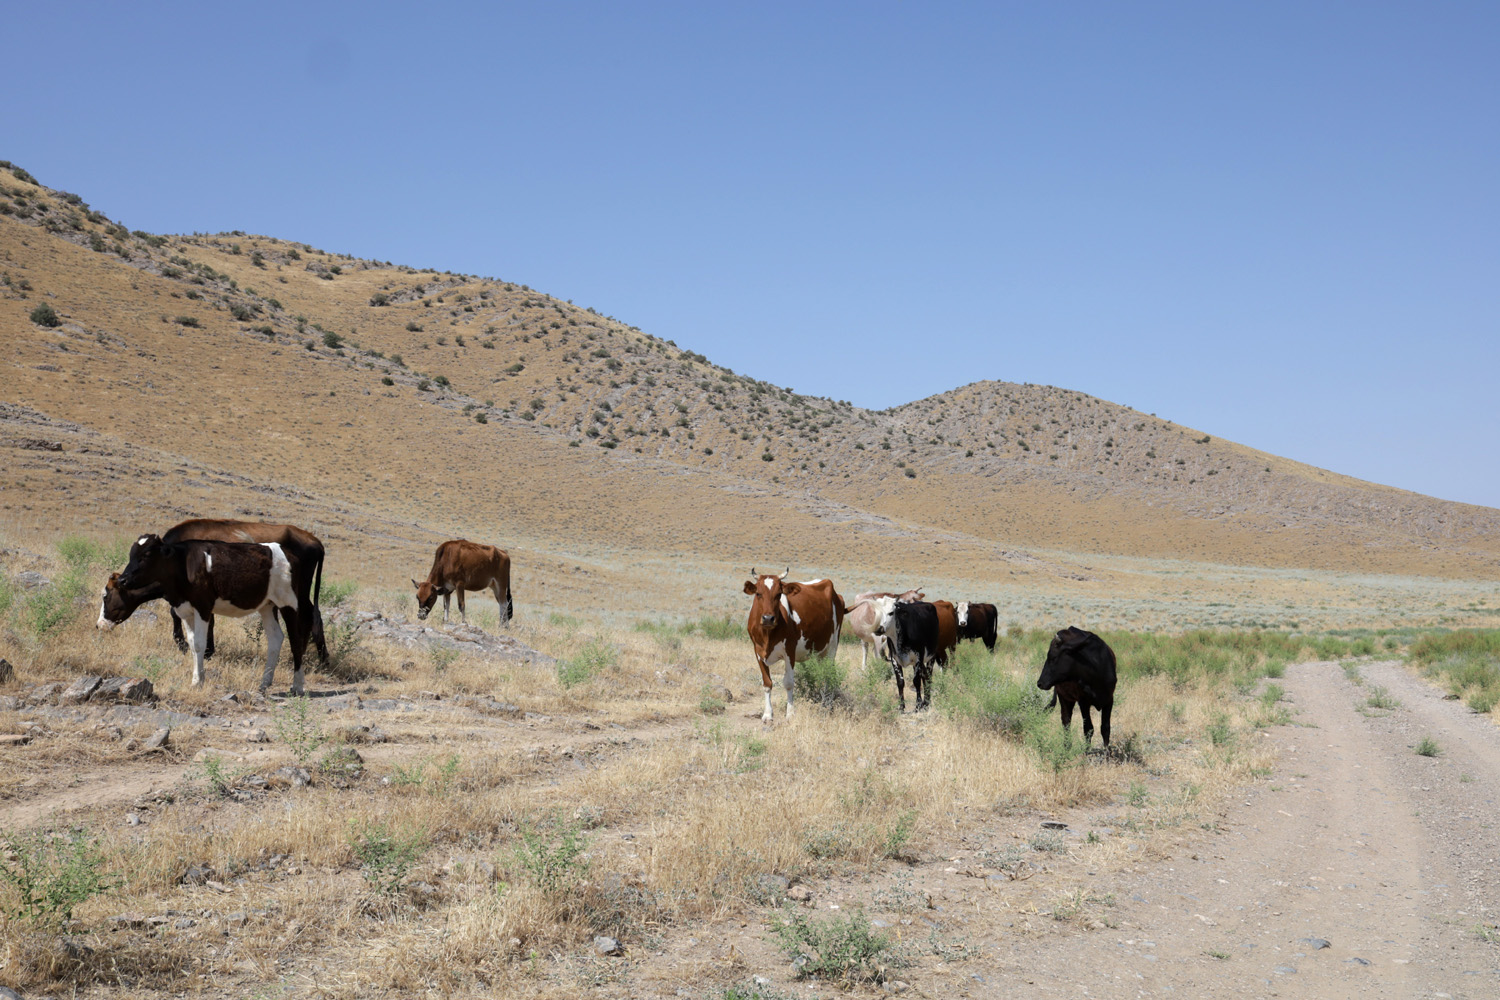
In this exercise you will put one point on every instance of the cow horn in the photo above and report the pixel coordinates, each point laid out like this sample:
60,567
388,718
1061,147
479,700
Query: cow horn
753,574
783,576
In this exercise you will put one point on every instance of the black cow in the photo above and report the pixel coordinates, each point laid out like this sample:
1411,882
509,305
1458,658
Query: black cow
1080,668
978,621
199,579
911,634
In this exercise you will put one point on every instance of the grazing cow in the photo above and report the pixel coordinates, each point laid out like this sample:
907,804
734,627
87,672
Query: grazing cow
1080,668
788,622
911,632
947,639
461,565
303,549
201,579
978,621
863,617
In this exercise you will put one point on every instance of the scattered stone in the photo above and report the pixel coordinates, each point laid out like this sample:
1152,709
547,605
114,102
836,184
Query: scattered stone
238,918
32,580
157,922
7,672
134,690
80,690
1052,824
606,945
774,886
257,736
296,777
1356,961
231,698
254,781
74,950
132,744
589,817
132,819
1096,925
1318,944
126,921
9,703
44,694
6,993
760,981
800,894
183,923
15,739
197,875
896,986
1284,970
158,740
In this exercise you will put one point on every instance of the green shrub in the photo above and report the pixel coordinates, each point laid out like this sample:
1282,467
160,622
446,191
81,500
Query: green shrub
1428,747
45,315
48,874
297,727
820,679
1468,661
594,657
386,855
331,339
844,949
554,862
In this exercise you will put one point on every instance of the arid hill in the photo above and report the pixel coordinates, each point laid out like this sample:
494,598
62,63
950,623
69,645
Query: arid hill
148,377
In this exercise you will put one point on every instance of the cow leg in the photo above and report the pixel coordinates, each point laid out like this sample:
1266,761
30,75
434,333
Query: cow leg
1067,711
900,682
317,634
298,625
922,682
765,681
504,611
789,681
1104,710
199,629
182,644
864,654
445,609
1088,723
273,645
208,653
463,612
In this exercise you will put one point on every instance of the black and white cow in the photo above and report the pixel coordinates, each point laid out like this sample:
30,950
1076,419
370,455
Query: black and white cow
911,635
978,621
1080,669
200,579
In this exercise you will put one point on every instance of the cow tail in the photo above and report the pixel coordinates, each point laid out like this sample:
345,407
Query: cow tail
318,579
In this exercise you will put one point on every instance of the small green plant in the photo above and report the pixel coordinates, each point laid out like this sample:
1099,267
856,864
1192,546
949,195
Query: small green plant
1048,842
1214,953
821,680
1428,747
1272,694
45,315
298,728
553,861
1137,796
49,874
1351,671
899,833
594,657
709,703
386,855
1382,699
1219,730
442,658
845,949
215,774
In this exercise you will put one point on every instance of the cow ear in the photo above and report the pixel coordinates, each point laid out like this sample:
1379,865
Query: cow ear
791,588
750,587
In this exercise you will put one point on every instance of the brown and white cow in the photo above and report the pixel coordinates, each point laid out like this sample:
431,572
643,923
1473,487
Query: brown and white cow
461,565
864,615
200,579
301,546
978,621
790,621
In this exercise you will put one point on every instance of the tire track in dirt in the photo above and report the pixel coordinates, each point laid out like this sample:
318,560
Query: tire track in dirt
1355,840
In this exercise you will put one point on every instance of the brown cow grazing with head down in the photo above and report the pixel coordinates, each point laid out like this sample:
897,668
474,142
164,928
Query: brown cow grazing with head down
789,622
864,616
461,565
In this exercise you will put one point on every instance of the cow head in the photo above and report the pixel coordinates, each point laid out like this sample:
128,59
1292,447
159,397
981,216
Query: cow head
912,596
113,607
147,556
962,610
427,595
884,606
770,593
1060,666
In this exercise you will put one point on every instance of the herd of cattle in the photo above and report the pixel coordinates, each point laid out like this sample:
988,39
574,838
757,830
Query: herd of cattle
204,568
791,621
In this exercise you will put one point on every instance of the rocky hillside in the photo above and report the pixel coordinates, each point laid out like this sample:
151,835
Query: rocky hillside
233,349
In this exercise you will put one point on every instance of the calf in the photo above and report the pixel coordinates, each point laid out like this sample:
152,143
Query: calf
978,621
1080,669
911,632
788,622
863,617
200,579
461,565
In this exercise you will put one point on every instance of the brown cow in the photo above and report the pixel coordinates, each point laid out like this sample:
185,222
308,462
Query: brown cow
788,622
947,637
864,615
461,565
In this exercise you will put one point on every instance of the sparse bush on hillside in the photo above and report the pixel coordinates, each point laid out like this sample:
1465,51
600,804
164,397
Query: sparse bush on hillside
331,339
380,299
45,315
414,327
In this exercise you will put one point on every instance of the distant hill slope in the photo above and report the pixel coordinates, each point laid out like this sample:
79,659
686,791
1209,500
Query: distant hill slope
412,404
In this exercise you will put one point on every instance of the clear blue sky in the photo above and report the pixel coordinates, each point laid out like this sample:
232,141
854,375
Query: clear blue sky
1278,222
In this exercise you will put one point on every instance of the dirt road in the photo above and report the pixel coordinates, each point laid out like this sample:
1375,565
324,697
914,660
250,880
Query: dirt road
1360,868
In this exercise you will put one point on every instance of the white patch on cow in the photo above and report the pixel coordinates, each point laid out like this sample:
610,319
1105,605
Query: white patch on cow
104,623
208,562
142,540
796,618
809,583
231,610
776,653
280,591
801,647
963,613
784,605
766,583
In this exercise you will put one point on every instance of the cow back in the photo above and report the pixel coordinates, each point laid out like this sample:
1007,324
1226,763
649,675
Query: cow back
460,563
1077,656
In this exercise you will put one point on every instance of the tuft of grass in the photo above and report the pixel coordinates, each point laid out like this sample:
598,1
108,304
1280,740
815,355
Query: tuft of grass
386,854
299,728
845,949
47,875
1467,661
594,658
1382,699
1428,747
820,680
